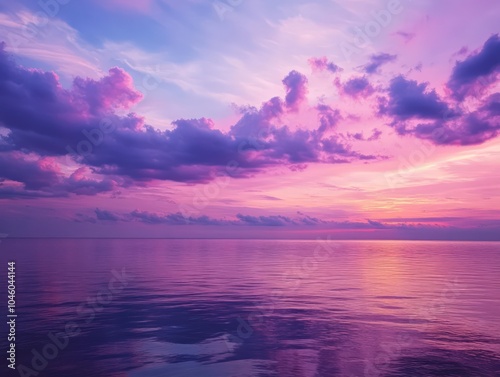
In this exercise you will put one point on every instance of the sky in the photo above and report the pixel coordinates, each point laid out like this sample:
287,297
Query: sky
352,119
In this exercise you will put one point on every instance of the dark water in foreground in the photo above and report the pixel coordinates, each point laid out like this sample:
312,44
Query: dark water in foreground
254,308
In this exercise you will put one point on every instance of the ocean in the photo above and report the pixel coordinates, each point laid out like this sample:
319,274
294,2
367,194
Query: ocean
237,308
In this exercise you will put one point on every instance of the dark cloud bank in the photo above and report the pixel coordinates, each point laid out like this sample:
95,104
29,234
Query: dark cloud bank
87,126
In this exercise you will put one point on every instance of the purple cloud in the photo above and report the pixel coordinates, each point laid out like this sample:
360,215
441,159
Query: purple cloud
408,99
296,90
264,220
473,128
268,197
322,64
420,112
111,92
377,61
32,174
41,177
42,118
406,36
173,219
328,118
80,183
376,133
356,87
477,71
104,215
425,228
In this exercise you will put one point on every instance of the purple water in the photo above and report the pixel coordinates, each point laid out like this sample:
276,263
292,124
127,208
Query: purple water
254,308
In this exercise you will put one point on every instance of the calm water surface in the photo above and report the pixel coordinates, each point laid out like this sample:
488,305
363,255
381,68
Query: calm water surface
151,308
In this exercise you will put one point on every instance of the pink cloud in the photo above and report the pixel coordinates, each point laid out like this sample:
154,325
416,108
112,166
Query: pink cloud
109,93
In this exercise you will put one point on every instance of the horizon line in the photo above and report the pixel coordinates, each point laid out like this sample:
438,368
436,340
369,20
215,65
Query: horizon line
249,239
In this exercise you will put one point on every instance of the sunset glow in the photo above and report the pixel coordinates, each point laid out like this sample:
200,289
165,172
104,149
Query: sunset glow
358,119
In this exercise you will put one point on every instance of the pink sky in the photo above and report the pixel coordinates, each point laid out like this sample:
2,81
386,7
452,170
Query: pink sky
357,119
